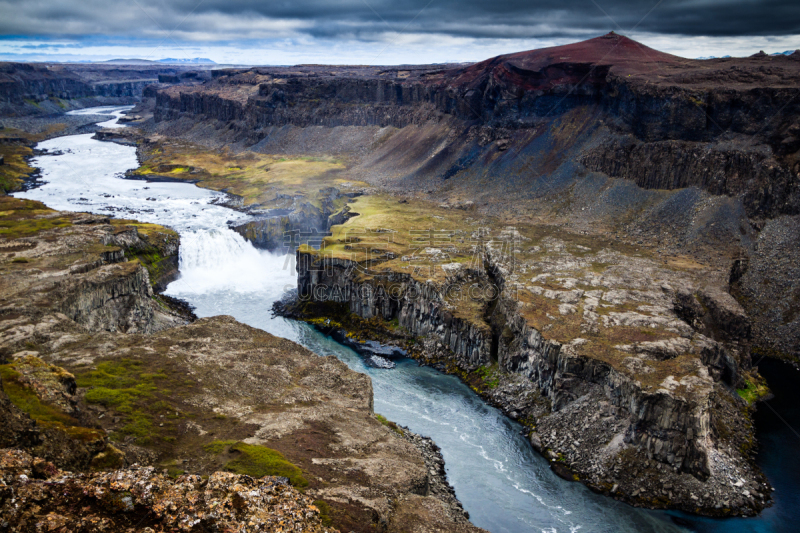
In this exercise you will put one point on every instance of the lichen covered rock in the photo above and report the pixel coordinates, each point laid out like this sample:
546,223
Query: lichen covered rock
36,496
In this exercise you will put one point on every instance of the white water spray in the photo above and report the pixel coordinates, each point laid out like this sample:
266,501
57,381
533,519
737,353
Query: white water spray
221,260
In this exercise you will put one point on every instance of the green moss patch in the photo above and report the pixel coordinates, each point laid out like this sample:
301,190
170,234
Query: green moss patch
257,178
16,149
489,375
26,399
124,386
256,461
23,218
110,458
389,424
218,446
172,468
15,167
324,512
119,384
145,229
153,256
14,229
755,389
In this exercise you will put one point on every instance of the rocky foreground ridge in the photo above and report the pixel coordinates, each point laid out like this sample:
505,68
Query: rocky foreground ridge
35,494
116,403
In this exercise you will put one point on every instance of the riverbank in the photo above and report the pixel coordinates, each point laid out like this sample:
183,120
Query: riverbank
632,478
18,139
108,336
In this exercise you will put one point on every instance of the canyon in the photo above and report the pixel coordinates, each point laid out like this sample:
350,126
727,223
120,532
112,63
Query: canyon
599,239
694,156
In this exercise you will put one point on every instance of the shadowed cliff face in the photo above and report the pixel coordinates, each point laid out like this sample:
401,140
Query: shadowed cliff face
747,108
552,326
656,95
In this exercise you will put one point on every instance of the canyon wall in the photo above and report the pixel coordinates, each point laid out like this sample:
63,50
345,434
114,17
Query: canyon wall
100,376
567,129
673,427
669,108
302,221
35,89
662,421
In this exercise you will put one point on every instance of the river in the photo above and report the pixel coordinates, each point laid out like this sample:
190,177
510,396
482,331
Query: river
501,481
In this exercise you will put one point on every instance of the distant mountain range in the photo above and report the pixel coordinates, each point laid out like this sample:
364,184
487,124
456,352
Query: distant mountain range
785,53
169,60
193,61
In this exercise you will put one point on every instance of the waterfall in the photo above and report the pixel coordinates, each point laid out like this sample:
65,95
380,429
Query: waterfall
221,260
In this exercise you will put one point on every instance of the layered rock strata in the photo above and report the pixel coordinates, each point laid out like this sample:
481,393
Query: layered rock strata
37,89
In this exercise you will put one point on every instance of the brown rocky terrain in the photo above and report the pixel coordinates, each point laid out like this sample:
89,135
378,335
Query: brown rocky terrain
99,374
37,495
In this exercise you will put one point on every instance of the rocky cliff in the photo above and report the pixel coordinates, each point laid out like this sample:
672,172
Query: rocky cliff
90,281
551,326
657,96
36,89
303,221
745,105
140,499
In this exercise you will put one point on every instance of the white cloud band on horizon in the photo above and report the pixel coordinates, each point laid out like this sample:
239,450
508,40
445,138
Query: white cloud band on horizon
381,31
386,49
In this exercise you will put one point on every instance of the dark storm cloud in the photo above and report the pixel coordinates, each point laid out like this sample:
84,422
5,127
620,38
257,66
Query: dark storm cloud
368,19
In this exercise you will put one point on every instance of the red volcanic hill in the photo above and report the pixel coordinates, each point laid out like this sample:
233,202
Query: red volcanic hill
591,62
623,53
585,61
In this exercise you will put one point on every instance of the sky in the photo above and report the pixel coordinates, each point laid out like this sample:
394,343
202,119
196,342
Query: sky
380,32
